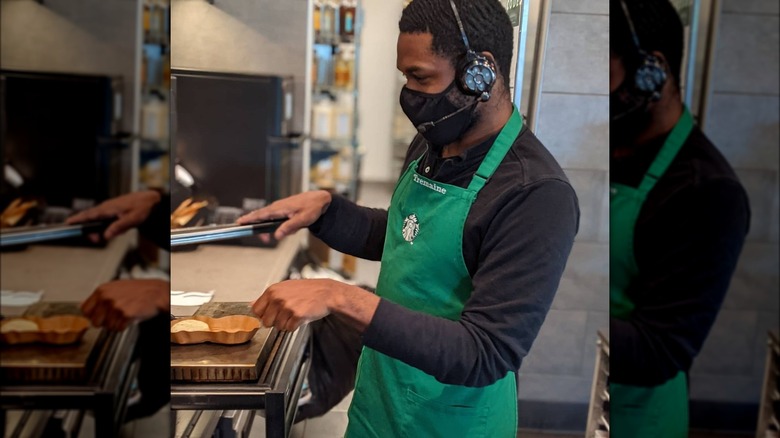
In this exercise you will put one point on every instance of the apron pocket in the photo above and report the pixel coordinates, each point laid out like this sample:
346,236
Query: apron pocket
432,418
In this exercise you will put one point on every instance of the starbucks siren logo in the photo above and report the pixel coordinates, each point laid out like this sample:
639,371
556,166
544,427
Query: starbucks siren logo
411,228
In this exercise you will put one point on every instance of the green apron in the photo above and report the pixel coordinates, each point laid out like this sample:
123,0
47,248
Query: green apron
423,270
635,411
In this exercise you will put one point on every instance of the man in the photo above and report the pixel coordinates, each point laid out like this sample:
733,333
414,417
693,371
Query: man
472,247
117,304
679,217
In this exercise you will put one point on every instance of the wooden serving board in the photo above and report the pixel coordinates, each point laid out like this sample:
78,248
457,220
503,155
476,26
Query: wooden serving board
26,363
222,363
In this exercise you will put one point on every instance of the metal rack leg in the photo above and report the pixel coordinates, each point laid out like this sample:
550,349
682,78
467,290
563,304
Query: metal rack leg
275,424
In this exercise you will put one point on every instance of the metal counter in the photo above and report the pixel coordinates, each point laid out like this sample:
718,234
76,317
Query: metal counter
104,393
71,274
241,274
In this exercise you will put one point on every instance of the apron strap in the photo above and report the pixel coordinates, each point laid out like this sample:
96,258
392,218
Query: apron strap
497,151
669,150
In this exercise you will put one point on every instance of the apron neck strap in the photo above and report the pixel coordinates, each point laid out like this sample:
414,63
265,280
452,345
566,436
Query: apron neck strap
669,150
497,151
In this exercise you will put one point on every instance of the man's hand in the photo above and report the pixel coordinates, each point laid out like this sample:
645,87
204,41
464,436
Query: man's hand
116,304
290,304
301,210
130,210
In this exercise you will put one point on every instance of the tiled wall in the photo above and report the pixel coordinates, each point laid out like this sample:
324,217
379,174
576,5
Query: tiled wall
742,121
573,123
63,36
243,36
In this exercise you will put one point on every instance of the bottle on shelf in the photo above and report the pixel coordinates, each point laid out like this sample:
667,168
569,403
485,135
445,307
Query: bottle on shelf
343,116
314,69
317,20
341,70
154,118
155,24
147,18
323,118
347,16
329,23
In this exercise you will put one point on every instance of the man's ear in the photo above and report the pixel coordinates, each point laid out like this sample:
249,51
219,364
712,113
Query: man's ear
490,57
662,60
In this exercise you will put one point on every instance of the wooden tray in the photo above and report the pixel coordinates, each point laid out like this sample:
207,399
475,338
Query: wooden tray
209,362
51,363
36,362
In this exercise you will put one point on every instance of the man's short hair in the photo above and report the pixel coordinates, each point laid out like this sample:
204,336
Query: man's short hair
657,26
486,23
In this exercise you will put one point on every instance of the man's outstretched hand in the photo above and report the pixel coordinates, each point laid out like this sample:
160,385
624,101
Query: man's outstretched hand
117,304
129,210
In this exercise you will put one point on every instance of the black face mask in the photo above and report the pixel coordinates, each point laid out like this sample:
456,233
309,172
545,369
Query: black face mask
440,120
628,114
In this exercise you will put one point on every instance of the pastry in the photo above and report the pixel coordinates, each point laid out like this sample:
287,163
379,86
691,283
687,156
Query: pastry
18,325
189,325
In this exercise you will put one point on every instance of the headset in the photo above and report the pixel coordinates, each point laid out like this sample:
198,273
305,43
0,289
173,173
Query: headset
477,74
650,77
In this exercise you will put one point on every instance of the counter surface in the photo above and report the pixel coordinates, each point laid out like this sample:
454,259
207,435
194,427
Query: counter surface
63,273
234,273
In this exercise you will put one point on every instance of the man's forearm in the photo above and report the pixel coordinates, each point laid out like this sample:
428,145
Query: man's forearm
355,304
352,229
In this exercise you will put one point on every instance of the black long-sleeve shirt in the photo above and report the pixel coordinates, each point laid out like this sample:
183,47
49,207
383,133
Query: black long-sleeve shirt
516,240
687,240
157,227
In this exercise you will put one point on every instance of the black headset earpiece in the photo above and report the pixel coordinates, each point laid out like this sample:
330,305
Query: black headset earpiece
476,73
650,76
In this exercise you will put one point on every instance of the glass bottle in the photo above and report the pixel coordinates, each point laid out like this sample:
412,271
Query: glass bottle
347,15
328,21
341,71
317,19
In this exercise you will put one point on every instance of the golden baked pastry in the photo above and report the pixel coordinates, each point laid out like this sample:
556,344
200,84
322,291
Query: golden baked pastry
15,212
189,325
18,325
185,212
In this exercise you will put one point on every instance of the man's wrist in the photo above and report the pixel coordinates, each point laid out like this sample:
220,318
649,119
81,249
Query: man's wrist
352,302
154,195
327,198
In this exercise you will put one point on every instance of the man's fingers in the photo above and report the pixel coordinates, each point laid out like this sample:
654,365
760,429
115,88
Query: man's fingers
119,226
260,304
290,226
292,324
99,314
91,215
269,317
88,306
264,214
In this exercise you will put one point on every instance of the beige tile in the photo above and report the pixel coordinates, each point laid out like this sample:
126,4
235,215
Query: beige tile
576,57
575,129
330,425
592,188
554,388
751,6
761,188
745,129
754,284
343,405
581,6
729,348
558,349
585,282
746,54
